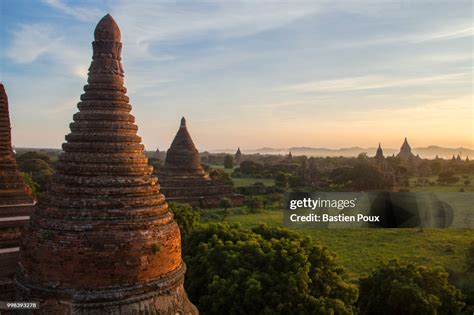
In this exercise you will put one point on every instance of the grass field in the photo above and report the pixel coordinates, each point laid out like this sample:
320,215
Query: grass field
245,181
441,188
361,250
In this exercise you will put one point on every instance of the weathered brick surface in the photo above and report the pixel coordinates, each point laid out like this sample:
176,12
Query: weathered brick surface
183,179
16,202
102,239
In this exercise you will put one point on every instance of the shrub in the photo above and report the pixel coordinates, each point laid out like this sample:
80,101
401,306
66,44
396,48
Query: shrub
395,288
254,204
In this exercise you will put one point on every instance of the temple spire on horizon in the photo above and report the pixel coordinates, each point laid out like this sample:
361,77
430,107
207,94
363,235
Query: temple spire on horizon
379,154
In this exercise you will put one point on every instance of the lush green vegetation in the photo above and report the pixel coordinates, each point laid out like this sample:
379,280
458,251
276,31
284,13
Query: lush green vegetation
264,270
430,183
395,288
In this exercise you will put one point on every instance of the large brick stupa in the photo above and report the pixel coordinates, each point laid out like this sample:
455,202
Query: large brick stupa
102,240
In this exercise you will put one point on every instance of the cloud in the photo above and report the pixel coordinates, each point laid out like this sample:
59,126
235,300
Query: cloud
369,82
80,13
417,37
31,41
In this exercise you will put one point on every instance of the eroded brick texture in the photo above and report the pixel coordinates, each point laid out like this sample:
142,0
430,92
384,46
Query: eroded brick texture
183,179
102,239
16,202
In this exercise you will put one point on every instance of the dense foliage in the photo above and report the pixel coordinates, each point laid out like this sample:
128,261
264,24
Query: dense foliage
38,167
186,216
228,162
396,288
263,271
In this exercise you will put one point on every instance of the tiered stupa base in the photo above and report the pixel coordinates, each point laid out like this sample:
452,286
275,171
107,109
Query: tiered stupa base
199,193
165,295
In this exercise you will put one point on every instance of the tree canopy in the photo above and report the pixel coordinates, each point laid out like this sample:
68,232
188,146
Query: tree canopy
263,271
396,288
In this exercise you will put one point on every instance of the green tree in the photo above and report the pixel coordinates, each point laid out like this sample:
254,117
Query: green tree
396,288
228,161
265,270
38,166
447,177
250,168
32,185
254,203
281,180
31,155
295,181
186,216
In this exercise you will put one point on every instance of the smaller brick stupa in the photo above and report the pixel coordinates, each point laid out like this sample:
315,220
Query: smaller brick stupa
405,151
183,179
16,203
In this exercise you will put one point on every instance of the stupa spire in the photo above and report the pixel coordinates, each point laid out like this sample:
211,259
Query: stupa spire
379,154
238,155
6,138
102,239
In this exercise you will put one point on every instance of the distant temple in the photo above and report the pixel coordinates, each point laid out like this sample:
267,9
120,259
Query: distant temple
102,240
389,175
238,156
16,204
183,179
405,151
379,153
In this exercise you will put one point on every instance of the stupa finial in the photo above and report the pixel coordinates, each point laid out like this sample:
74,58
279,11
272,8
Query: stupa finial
183,122
107,30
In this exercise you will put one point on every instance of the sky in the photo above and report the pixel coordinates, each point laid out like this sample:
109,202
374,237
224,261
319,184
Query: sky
251,73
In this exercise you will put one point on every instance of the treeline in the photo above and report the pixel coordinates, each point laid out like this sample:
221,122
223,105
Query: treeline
357,173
